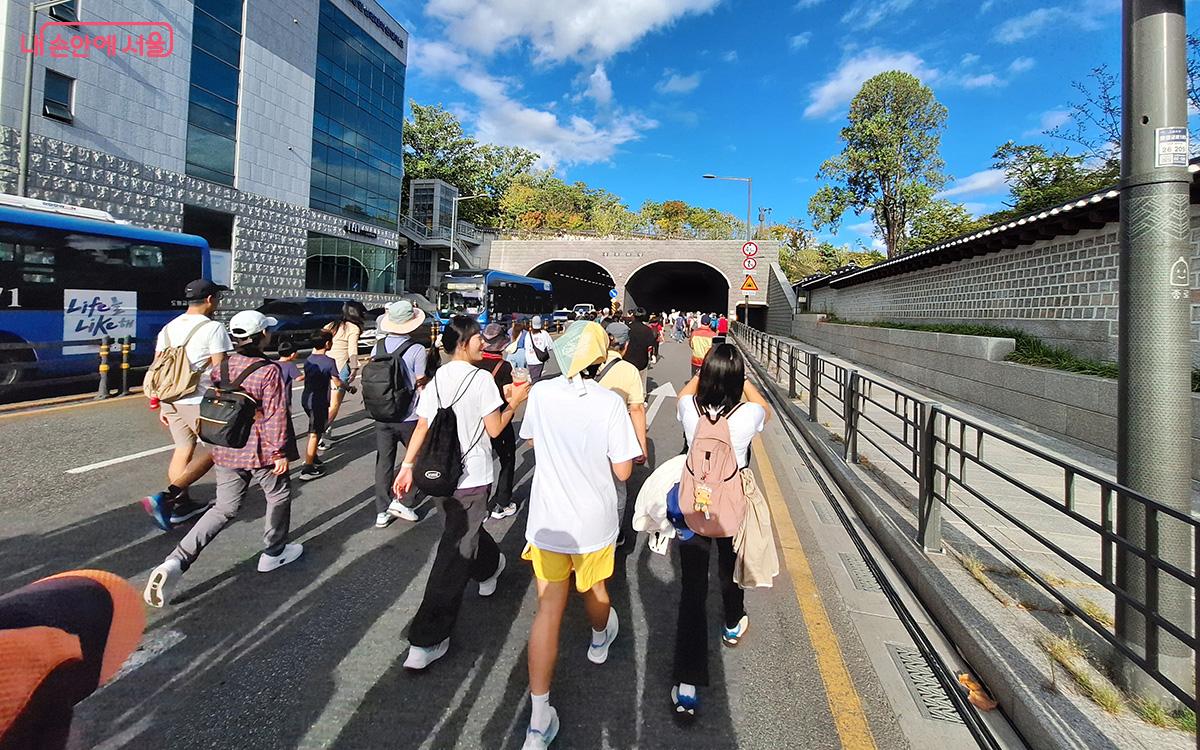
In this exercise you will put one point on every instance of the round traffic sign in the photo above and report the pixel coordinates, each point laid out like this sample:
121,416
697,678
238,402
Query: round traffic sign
612,293
750,249
749,264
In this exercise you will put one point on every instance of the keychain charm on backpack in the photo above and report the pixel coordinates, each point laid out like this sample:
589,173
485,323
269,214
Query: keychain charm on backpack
703,500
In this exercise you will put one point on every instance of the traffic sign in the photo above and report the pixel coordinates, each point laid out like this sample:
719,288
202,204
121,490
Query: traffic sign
750,249
748,285
612,293
749,264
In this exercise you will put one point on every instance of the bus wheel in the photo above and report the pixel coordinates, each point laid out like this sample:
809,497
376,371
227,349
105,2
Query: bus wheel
11,371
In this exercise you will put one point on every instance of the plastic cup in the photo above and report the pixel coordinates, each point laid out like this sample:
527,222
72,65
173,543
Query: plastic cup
520,375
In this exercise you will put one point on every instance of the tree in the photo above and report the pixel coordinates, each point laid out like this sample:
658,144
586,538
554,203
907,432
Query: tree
801,255
1038,178
435,147
890,164
939,221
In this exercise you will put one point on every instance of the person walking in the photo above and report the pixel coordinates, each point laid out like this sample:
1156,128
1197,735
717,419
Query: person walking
538,348
320,376
262,461
290,373
582,438
495,341
641,340
722,326
701,342
623,378
719,392
515,350
465,551
680,328
204,343
400,320
344,352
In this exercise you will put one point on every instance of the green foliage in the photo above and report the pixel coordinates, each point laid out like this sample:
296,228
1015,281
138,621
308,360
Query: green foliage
889,164
800,254
1040,179
435,147
938,221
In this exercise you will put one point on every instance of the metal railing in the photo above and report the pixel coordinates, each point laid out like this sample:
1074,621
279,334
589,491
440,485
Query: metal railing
954,461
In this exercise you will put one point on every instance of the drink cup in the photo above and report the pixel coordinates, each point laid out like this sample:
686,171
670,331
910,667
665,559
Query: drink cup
520,375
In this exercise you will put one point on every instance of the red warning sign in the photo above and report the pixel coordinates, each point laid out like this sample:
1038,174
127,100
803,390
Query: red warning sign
748,285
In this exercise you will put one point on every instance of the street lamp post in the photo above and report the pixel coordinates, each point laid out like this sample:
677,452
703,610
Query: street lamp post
27,96
749,196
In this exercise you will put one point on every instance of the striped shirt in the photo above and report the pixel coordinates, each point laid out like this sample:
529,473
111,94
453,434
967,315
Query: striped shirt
268,438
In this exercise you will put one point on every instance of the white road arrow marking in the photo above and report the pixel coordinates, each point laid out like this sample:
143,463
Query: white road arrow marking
659,394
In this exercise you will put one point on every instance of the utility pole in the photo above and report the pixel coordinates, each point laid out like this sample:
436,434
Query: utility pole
1154,413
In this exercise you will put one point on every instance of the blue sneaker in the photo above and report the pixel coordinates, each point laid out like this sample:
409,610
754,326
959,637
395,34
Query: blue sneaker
731,636
540,740
685,705
158,506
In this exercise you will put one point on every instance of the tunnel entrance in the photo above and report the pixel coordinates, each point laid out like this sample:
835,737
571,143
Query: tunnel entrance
576,282
678,285
755,316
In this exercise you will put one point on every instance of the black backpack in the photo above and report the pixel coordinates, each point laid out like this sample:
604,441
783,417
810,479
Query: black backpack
387,389
439,466
227,412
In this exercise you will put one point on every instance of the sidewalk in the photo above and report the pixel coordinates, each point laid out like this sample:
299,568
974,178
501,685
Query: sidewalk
1014,621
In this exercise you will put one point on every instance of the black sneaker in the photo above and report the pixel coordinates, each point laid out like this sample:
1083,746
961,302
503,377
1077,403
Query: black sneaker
318,462
311,472
185,509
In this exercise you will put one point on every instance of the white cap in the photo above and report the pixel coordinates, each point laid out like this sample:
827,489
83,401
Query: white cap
536,323
248,323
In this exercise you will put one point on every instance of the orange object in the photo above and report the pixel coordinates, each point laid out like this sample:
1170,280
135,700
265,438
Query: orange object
975,693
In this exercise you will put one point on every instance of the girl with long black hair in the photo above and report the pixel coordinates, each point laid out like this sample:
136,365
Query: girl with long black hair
344,351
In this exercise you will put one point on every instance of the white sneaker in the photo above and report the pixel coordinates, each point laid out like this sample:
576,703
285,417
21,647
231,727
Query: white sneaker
539,740
420,657
291,553
399,510
488,587
382,520
598,653
161,578
505,512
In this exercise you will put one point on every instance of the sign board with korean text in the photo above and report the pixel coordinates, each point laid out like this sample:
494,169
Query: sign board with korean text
90,314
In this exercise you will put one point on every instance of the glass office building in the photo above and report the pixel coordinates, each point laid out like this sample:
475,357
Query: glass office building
213,94
357,159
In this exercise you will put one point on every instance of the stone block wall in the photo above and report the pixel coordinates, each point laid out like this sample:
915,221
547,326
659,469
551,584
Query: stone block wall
1063,290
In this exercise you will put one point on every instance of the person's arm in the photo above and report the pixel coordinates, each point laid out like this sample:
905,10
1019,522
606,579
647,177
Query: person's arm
404,479
274,428
495,422
692,388
753,396
623,470
637,413
352,353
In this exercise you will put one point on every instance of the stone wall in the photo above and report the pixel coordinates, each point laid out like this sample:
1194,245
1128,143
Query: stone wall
1063,290
1079,408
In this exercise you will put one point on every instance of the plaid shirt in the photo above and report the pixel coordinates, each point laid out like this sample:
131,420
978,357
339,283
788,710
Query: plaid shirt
268,438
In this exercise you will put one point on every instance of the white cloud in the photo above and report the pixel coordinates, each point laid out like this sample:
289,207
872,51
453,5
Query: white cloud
969,59
987,182
985,80
866,228
802,4
599,88
501,119
1050,120
799,41
1084,14
1022,27
583,29
977,209
839,88
865,14
1021,65
986,6
730,57
674,83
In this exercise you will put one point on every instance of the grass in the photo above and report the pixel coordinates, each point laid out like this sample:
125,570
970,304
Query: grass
1030,350
1097,613
1153,712
1069,655
978,571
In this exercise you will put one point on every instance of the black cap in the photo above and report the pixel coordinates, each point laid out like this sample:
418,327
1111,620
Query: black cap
202,289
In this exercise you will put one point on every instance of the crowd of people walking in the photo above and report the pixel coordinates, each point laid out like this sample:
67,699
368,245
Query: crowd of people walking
449,412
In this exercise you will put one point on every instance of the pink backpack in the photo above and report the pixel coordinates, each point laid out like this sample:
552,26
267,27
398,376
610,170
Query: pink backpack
710,493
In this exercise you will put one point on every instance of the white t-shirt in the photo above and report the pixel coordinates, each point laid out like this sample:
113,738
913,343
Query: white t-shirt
576,439
744,424
478,398
544,342
209,340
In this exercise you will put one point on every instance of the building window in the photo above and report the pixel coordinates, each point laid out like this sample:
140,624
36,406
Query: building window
216,227
58,96
68,11
345,265
358,162
213,95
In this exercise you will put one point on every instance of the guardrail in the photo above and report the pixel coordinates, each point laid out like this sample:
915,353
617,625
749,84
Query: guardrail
946,457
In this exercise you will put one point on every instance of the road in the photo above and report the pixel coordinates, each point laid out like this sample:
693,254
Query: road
310,656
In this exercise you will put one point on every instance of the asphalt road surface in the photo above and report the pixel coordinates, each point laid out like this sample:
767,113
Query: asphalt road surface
310,656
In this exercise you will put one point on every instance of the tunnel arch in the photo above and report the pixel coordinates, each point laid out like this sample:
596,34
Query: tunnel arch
576,281
691,285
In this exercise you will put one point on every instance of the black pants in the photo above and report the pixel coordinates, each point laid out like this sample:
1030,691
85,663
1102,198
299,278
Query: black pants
505,448
692,634
465,552
387,436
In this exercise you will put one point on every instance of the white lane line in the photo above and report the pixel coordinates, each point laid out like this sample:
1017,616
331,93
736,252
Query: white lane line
150,647
119,460
660,394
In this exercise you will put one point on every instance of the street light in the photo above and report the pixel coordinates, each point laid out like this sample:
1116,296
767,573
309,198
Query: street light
27,96
454,220
749,195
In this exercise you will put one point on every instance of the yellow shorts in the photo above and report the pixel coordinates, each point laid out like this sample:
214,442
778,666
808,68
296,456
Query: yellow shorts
590,568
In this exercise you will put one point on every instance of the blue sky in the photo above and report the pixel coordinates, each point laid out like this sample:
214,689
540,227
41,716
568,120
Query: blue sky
641,98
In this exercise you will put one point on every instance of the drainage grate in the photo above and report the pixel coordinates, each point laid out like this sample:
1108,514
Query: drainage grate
863,579
927,693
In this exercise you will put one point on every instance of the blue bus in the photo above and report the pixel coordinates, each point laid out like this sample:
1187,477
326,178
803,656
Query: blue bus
492,296
71,274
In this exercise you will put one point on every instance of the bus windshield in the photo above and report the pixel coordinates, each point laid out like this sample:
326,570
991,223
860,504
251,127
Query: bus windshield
462,297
